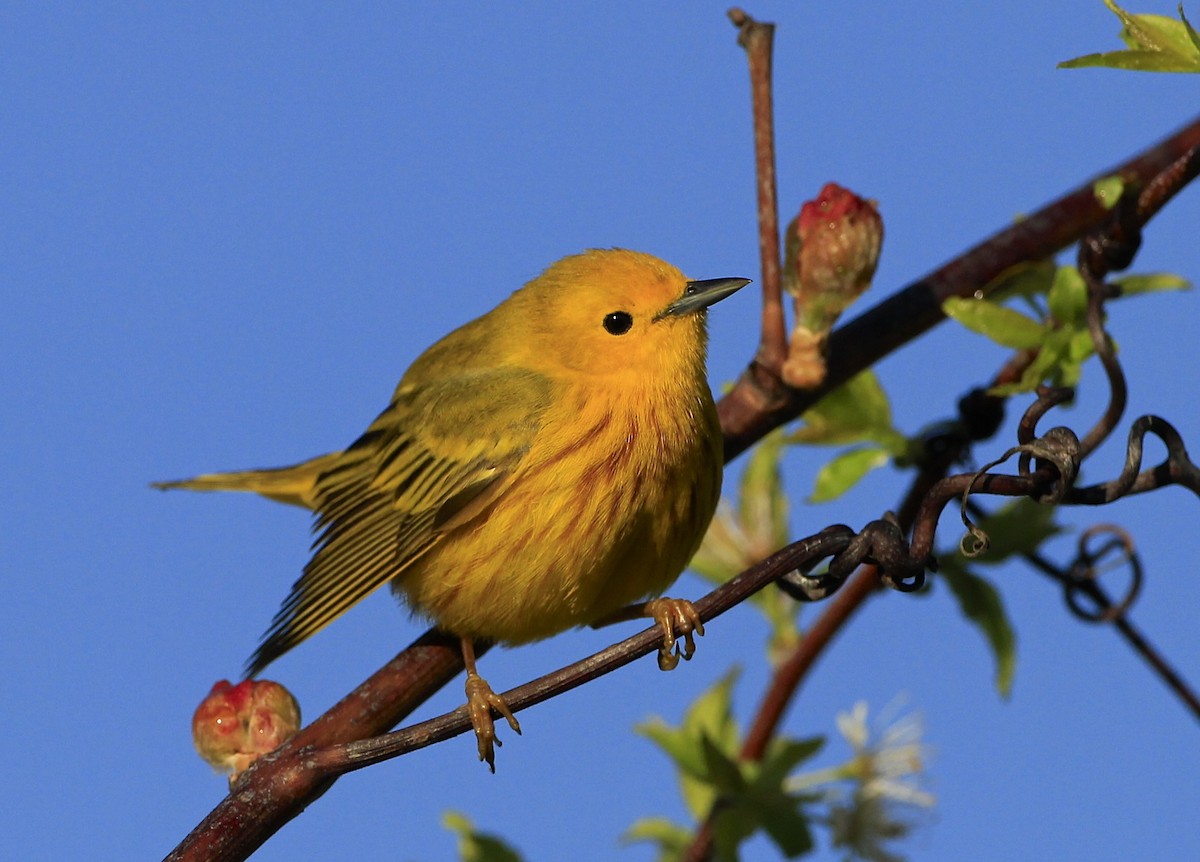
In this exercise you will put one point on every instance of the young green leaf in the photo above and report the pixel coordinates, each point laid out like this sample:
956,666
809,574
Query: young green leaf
785,823
845,471
709,721
766,801
785,754
762,507
1151,282
711,715
1108,190
1068,296
857,410
476,846
1154,32
1002,325
981,604
1155,44
1028,280
1192,35
722,770
1079,348
671,838
737,540
731,826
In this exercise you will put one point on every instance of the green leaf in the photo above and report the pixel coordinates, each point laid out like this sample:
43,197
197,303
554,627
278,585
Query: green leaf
731,826
711,715
698,795
1068,296
736,541
708,721
855,411
722,770
786,824
1154,33
1053,363
780,813
763,505
478,846
671,838
1192,35
1027,279
1151,282
981,604
1020,527
1132,61
785,754
676,744
722,553
1108,190
1156,44
845,471
1002,325
1079,347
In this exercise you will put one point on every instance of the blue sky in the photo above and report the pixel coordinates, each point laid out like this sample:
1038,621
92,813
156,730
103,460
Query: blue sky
226,231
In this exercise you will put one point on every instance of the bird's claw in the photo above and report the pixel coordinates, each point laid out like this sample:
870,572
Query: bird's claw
481,700
677,618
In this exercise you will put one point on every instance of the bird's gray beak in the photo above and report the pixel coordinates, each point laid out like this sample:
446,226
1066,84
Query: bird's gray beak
699,295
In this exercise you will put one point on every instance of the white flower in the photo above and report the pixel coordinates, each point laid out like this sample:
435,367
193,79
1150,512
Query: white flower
884,776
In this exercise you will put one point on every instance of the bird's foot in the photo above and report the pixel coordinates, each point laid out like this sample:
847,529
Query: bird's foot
481,700
678,619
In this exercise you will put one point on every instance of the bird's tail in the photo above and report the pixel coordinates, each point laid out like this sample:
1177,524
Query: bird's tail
295,485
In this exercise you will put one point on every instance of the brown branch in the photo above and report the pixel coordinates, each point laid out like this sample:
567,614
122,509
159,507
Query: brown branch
279,786
800,554
759,402
1157,662
282,784
759,389
1111,248
756,37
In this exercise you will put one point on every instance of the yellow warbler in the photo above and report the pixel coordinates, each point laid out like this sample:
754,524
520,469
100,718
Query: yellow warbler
537,469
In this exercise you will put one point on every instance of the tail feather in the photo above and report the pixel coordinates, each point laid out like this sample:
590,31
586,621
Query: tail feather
294,485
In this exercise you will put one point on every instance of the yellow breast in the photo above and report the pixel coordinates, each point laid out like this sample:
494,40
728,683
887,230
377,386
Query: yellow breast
610,508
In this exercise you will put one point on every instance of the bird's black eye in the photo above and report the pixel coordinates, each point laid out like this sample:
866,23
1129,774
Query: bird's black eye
618,322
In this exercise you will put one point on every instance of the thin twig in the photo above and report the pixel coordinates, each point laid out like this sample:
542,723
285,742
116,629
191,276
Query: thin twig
280,785
728,595
756,37
1132,635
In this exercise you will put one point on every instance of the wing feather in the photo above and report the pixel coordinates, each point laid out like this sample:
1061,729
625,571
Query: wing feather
423,466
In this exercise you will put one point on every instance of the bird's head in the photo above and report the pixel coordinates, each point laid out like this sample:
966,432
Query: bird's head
616,311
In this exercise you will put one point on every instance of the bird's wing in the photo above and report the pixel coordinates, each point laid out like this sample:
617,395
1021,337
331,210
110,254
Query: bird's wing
428,463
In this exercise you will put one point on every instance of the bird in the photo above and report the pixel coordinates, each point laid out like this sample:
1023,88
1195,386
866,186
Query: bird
549,465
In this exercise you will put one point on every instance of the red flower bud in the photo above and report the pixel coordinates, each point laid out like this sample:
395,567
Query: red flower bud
237,724
832,249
